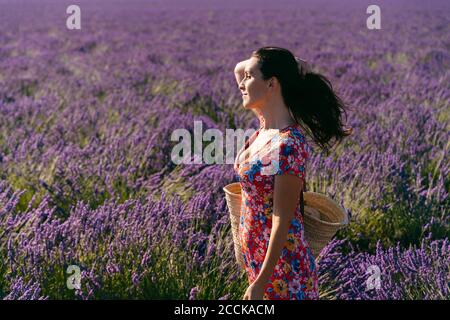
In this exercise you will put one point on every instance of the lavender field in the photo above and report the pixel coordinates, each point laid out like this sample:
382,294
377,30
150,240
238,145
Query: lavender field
86,116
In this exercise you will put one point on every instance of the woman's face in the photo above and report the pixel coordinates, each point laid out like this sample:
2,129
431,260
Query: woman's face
253,88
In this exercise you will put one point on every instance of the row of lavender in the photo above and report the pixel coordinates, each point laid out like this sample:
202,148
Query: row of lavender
162,249
85,168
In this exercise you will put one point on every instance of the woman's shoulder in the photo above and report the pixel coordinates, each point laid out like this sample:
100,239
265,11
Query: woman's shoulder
294,138
292,134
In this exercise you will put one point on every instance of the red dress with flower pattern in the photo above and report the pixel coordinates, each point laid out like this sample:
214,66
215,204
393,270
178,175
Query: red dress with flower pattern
294,276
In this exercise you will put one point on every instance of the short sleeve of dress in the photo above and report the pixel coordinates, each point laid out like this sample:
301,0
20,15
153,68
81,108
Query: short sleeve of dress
292,156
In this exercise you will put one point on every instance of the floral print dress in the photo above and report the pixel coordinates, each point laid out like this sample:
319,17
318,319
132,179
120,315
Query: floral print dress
294,276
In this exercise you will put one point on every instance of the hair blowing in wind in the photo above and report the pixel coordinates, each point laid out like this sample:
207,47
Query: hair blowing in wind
308,95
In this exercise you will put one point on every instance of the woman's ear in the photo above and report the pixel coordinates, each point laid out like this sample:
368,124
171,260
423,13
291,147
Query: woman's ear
272,82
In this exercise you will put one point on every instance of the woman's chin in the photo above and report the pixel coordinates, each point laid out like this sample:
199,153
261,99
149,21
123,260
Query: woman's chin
246,105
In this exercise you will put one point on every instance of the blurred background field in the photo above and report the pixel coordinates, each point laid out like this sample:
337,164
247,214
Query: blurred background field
86,117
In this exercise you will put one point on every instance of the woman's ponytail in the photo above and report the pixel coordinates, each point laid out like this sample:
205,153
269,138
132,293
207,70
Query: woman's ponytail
308,95
320,109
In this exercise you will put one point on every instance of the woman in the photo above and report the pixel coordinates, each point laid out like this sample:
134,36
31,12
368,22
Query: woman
288,99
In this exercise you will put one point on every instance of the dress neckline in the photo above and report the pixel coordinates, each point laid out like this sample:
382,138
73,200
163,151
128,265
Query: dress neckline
247,145
280,130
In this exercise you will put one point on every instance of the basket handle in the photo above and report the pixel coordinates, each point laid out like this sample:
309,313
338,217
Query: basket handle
302,204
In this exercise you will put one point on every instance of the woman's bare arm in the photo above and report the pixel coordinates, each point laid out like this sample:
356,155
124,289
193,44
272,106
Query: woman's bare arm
286,197
239,71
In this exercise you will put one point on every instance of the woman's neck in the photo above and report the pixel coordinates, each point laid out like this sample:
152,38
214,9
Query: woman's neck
275,120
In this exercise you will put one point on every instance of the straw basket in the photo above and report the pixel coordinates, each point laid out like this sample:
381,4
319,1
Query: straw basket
323,218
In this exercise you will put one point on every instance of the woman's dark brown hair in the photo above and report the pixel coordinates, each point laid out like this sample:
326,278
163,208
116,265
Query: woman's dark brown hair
309,96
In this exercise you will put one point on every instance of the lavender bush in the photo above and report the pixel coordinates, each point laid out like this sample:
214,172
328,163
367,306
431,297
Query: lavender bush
24,291
414,273
86,177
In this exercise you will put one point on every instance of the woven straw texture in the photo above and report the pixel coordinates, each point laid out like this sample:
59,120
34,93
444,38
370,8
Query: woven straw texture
323,218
